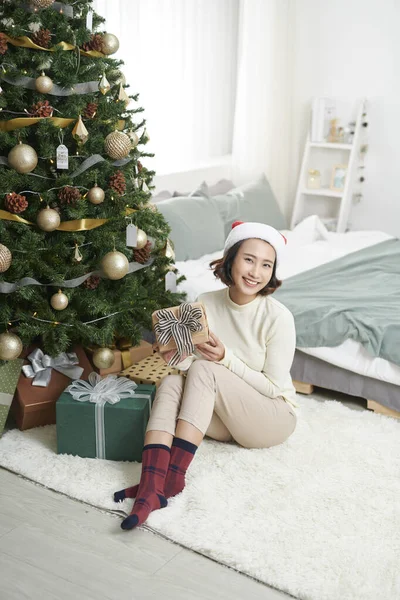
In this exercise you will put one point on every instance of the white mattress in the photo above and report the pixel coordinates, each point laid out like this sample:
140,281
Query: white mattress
309,245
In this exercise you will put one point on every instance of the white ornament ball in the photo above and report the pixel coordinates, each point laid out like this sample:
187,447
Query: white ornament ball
5,258
114,265
10,346
44,84
117,145
48,219
110,44
22,158
96,195
141,239
59,301
103,358
134,139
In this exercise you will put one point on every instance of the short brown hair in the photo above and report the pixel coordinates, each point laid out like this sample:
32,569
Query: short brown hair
222,268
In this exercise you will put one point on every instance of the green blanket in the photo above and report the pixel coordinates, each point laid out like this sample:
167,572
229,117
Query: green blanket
356,296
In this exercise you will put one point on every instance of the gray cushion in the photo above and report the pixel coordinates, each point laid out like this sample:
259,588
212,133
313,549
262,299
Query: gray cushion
251,202
196,225
221,187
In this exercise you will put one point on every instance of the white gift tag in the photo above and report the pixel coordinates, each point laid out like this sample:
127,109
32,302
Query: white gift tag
170,282
131,235
89,20
62,157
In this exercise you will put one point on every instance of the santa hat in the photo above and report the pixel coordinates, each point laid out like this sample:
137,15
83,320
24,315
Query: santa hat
244,231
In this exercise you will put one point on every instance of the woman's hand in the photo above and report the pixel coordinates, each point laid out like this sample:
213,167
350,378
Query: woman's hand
166,356
213,350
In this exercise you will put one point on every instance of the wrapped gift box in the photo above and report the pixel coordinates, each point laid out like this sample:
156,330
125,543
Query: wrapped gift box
150,370
34,406
9,375
125,358
178,315
124,426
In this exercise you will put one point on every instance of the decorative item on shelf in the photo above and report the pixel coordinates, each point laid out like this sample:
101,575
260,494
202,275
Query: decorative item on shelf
338,178
15,203
110,44
133,138
48,219
90,110
10,346
59,301
117,182
86,427
117,145
104,85
42,38
103,358
332,135
142,255
92,282
114,265
22,158
41,3
96,195
123,96
9,375
79,132
180,328
313,179
5,258
69,195
43,84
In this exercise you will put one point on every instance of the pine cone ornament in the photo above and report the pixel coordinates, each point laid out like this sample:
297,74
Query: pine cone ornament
3,43
42,38
92,282
95,43
15,203
139,166
142,256
41,109
117,183
69,195
90,110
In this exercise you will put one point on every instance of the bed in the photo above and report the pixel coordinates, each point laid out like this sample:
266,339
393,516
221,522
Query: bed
348,367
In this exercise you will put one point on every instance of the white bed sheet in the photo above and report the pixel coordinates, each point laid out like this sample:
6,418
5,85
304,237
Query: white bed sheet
309,245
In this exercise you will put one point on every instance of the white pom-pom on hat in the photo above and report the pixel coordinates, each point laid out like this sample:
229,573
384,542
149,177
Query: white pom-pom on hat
245,231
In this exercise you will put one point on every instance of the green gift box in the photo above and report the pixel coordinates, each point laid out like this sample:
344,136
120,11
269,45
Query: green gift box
96,428
9,375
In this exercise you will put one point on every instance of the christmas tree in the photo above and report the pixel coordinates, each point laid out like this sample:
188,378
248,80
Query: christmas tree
84,255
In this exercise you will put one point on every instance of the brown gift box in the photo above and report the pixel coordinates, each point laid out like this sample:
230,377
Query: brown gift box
198,337
34,406
125,358
150,370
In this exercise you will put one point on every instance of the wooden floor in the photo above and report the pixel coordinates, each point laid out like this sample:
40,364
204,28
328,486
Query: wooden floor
55,548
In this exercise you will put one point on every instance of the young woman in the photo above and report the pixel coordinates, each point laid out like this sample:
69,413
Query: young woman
238,386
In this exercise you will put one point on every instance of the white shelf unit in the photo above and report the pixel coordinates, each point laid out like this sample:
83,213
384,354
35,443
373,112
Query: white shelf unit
349,154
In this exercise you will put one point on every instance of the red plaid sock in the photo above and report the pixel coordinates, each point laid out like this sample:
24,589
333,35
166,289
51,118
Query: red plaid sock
182,454
150,494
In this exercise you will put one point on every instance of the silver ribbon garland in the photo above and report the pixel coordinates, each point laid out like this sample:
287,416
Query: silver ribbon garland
8,288
99,391
29,83
42,364
96,158
179,328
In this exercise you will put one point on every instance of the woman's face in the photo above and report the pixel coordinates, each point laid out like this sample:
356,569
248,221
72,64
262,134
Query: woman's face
253,266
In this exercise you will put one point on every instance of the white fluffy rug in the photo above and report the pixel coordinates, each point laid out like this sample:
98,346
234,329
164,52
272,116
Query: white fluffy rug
317,517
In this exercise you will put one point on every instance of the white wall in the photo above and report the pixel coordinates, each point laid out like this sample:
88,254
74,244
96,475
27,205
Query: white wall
351,49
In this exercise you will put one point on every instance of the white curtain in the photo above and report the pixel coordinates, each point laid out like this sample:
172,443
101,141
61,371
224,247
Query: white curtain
261,132
181,56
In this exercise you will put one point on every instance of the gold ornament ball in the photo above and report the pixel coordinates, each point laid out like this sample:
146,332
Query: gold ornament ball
48,219
10,346
134,138
103,358
115,265
22,158
141,239
5,258
117,145
59,301
110,44
96,195
41,3
43,84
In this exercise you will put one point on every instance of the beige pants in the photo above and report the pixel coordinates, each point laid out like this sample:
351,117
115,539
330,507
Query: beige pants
222,406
